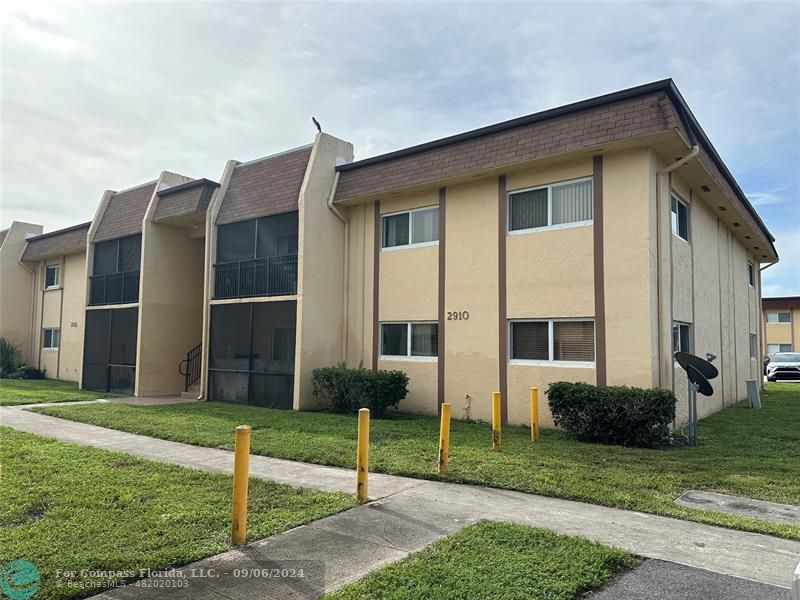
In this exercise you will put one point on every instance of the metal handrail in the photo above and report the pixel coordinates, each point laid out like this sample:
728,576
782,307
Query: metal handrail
121,287
268,276
193,363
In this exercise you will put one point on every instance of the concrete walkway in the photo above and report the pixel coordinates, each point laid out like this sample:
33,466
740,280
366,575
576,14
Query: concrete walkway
408,515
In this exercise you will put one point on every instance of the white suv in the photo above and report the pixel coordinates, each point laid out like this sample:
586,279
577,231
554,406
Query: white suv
784,365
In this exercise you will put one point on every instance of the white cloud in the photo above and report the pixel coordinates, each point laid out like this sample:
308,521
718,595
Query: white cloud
106,95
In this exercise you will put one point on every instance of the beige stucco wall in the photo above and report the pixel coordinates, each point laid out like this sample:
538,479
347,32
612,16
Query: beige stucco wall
72,317
550,274
320,285
170,307
629,267
781,333
409,286
711,292
62,308
471,353
16,290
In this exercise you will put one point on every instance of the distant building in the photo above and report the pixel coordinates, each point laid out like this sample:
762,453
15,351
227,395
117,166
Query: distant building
781,315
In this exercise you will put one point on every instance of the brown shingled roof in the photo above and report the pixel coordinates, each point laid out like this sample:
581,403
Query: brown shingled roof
564,133
266,186
57,243
185,199
124,214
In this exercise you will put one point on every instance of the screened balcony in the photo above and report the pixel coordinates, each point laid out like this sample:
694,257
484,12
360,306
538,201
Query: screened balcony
115,271
257,257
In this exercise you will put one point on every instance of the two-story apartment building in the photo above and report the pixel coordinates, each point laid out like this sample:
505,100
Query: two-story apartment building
587,242
781,315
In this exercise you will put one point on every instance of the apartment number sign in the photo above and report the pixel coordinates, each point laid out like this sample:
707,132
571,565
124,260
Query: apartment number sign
457,315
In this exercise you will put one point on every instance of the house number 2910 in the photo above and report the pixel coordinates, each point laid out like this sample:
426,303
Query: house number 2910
457,315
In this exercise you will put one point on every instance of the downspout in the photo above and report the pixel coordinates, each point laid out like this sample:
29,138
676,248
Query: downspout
346,270
662,247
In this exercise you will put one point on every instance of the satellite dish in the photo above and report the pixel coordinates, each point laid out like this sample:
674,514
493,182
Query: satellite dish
686,360
698,372
697,378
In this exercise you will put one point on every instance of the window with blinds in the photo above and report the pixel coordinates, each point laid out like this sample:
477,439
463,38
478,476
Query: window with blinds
553,340
530,340
410,339
551,205
418,226
573,340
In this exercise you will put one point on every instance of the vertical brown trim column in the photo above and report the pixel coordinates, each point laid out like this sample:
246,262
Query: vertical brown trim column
599,273
376,272
502,325
440,350
61,274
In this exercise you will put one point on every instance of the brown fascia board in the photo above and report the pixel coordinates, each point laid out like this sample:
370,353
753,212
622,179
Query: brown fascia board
781,302
43,236
665,85
187,186
38,248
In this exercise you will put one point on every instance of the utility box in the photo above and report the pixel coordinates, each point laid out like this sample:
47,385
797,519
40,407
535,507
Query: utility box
753,394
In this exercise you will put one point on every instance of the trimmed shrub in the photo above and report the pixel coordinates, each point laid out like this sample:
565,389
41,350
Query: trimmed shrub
9,357
625,416
26,372
348,389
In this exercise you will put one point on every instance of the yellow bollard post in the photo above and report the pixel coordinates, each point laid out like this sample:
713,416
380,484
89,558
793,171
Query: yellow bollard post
444,438
362,455
534,414
496,426
241,473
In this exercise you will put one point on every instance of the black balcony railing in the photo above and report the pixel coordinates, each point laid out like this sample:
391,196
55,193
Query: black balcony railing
114,288
271,276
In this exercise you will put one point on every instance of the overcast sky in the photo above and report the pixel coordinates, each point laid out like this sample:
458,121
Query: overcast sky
107,95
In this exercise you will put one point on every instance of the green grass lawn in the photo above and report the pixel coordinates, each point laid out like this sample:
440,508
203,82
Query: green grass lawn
742,451
34,391
70,507
494,560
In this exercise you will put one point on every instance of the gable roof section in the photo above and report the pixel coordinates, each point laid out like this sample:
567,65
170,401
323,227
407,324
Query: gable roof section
124,214
640,110
266,186
70,240
3,235
185,199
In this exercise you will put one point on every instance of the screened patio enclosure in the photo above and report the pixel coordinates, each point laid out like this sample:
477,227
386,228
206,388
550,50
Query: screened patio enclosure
251,353
109,351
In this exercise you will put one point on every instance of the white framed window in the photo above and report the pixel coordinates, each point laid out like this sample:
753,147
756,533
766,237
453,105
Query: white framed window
753,346
554,341
773,348
410,339
51,338
416,227
680,218
52,276
568,203
681,342
777,316
751,275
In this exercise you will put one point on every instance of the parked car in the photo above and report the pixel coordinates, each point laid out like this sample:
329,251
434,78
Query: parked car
784,365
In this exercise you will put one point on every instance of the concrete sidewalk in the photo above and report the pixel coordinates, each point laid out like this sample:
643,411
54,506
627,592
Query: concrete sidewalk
408,515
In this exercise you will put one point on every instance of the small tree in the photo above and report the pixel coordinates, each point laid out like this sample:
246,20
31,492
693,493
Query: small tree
9,357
